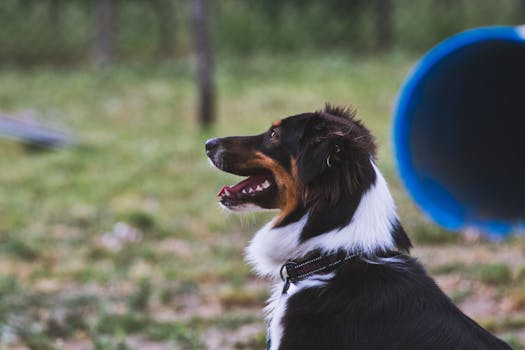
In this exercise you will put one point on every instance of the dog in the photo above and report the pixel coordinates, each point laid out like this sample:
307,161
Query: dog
336,249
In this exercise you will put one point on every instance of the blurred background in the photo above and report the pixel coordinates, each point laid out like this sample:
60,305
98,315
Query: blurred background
110,232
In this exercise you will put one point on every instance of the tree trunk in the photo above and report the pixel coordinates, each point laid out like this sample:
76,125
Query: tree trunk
165,12
204,61
384,25
104,39
53,15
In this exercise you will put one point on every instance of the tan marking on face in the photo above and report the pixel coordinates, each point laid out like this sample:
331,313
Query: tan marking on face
292,193
277,123
287,184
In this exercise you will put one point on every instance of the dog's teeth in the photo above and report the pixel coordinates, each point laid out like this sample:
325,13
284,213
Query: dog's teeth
250,190
266,184
244,190
226,192
259,188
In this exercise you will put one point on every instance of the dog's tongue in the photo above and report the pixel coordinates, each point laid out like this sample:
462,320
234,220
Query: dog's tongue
223,190
251,182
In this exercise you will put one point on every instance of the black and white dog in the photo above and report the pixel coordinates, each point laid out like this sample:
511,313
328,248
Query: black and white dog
336,248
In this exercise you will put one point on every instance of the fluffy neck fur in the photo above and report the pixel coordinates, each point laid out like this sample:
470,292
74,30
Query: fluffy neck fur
370,231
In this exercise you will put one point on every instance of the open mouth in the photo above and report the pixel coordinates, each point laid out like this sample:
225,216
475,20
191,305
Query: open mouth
253,189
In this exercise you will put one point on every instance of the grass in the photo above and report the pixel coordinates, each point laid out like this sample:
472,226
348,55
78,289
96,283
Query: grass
118,241
494,273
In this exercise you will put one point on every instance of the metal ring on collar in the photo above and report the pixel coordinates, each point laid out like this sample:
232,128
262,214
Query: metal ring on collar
283,272
328,162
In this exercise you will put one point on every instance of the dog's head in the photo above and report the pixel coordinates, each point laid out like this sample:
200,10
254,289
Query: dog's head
302,161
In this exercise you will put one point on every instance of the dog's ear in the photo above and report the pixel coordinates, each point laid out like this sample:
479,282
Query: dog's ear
329,145
320,154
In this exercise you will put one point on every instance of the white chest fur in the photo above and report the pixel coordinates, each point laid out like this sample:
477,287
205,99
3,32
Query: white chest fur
276,309
278,304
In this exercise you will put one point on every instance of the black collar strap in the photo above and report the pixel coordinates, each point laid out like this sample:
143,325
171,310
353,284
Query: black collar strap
293,272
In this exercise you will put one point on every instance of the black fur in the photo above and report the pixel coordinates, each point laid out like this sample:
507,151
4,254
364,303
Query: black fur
400,237
391,306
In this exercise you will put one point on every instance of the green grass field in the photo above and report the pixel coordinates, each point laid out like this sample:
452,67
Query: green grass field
118,242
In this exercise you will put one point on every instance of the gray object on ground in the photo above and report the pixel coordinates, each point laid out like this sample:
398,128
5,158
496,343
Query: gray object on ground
33,133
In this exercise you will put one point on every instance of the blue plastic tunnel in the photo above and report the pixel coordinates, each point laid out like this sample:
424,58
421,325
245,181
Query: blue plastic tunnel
459,131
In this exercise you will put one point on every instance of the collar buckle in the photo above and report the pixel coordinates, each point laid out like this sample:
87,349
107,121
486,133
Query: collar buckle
284,272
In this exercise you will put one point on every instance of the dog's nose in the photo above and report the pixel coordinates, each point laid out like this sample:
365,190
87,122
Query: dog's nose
211,145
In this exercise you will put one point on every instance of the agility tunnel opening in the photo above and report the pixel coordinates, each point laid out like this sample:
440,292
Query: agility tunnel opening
459,131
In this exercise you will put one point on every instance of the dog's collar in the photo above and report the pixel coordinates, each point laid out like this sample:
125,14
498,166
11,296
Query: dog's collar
295,271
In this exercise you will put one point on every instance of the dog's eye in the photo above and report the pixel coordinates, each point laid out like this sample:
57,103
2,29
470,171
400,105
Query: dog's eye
274,135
